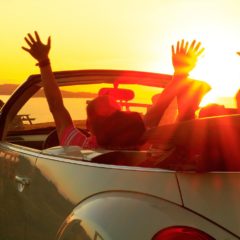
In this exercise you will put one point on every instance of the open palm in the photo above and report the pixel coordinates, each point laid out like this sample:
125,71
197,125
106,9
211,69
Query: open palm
37,49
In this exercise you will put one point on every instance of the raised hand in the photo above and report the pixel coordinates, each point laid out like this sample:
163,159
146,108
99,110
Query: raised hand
37,49
184,57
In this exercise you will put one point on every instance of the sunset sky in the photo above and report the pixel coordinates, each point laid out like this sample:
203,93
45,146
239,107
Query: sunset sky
123,34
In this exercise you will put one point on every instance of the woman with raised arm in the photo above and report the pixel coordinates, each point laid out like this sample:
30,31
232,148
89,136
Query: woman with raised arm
102,112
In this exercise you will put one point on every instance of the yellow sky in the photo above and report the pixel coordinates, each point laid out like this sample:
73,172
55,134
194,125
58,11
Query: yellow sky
123,34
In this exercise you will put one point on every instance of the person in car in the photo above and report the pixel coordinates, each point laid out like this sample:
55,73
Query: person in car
189,93
107,124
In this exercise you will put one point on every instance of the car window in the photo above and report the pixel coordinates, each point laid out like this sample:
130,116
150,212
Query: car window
34,121
35,113
142,97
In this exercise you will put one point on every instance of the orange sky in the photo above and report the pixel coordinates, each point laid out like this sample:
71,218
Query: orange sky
123,34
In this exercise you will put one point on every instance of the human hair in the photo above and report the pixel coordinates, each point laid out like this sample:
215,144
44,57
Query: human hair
112,127
98,109
121,130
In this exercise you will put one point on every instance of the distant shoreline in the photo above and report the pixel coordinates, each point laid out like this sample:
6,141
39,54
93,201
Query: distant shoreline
8,89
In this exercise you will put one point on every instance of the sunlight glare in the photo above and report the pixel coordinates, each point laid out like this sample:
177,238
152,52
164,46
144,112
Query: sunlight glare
210,97
220,68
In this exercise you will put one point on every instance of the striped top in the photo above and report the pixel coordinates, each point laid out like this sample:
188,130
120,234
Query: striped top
72,136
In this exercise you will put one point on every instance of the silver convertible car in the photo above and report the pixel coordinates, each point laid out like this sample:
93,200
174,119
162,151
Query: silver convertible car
184,184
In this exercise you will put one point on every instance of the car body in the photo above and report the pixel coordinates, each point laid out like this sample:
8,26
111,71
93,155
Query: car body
184,185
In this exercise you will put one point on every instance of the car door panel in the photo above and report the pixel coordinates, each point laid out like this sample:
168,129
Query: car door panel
63,183
17,170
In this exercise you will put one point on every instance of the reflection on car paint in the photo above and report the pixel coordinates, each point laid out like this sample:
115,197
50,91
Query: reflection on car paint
8,163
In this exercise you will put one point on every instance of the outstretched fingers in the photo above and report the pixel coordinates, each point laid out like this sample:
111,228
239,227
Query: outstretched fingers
26,49
32,40
37,36
185,55
192,45
178,47
182,47
173,50
29,43
195,48
35,46
200,52
186,47
182,44
49,42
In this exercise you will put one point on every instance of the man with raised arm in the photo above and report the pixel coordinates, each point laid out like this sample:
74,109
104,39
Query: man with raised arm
184,59
188,92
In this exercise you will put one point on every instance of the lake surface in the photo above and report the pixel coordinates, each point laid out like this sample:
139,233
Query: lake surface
38,108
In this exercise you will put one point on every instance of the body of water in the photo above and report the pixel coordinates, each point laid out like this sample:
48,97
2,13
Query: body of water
37,108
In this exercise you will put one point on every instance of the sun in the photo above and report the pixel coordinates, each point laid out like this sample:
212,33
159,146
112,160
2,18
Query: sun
220,67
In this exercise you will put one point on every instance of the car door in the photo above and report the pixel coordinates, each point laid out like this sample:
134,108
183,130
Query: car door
22,136
16,174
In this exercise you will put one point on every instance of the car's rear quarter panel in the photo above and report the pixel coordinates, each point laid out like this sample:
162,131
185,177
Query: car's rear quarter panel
214,195
128,215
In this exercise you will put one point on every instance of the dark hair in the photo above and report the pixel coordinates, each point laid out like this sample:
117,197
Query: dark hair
102,106
121,130
98,110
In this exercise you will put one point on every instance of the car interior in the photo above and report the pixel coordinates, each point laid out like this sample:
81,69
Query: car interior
34,127
183,146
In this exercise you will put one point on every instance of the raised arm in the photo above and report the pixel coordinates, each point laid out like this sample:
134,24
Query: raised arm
40,52
189,98
184,59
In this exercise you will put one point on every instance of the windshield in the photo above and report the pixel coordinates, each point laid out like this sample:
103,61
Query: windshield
131,97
